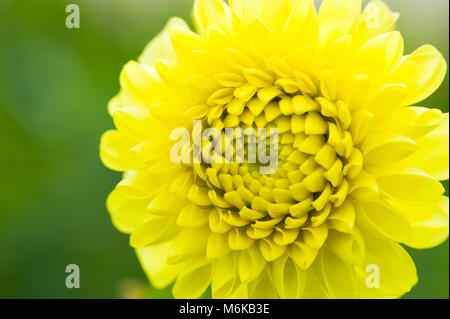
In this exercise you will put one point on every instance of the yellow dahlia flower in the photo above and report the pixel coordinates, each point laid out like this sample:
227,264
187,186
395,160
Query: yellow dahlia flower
358,166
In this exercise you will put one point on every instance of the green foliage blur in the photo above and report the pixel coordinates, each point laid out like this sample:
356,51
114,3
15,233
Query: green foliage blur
54,86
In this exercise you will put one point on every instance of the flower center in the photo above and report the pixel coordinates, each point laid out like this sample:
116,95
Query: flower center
315,157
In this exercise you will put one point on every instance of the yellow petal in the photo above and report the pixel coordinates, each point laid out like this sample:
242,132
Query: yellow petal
126,213
275,13
284,236
262,288
139,81
303,19
432,154
340,194
217,222
141,184
430,233
214,13
314,288
376,19
288,278
342,218
315,236
270,250
161,165
380,55
154,231
389,98
241,292
120,100
354,164
362,121
338,275
192,282
386,219
410,184
185,248
429,222
251,264
349,247
258,78
315,124
161,47
262,38
193,216
413,122
422,72
238,239
336,56
364,187
199,195
166,204
397,272
336,18
153,260
302,254
217,245
223,278
116,153
382,148
245,10
184,42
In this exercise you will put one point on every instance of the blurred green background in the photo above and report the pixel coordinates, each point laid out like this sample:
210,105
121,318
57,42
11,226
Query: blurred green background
54,86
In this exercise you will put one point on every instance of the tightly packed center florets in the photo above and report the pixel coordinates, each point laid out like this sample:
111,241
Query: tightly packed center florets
315,156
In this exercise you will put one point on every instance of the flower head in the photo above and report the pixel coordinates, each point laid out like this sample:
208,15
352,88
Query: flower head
358,167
